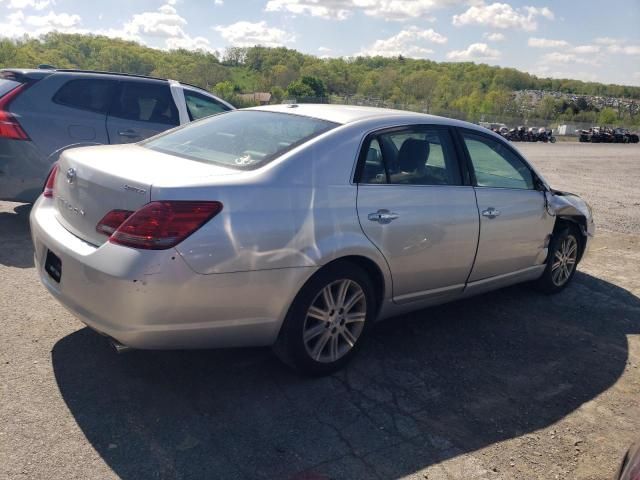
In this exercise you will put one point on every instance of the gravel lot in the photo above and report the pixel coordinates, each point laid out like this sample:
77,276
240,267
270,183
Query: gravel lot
507,385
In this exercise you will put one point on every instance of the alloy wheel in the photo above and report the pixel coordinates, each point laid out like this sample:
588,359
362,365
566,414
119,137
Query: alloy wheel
334,321
564,261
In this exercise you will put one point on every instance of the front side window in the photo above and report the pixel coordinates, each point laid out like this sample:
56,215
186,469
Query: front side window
200,106
240,139
87,94
413,156
495,165
146,102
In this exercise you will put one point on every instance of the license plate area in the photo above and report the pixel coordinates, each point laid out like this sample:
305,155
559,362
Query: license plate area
53,266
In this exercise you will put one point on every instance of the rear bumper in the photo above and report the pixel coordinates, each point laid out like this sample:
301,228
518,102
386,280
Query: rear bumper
153,300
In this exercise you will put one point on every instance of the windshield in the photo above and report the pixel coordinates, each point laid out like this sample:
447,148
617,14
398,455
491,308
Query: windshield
240,139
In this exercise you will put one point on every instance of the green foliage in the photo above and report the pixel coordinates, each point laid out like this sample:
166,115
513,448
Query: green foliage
467,90
299,89
608,116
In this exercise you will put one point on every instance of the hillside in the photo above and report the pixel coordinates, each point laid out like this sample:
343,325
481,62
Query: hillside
465,90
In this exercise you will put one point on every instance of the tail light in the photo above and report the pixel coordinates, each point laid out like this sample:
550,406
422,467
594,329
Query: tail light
157,225
9,126
51,180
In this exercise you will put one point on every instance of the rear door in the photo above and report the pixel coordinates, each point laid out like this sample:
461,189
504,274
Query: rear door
414,208
142,108
65,110
514,222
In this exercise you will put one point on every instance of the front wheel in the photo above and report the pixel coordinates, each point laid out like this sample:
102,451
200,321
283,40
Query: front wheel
552,139
561,262
327,321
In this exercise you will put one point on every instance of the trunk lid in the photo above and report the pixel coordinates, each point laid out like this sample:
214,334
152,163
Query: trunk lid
92,181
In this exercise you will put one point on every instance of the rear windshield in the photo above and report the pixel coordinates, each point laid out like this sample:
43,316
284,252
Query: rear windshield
7,85
244,139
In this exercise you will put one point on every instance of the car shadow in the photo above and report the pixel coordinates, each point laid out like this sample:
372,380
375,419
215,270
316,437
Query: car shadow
16,250
426,387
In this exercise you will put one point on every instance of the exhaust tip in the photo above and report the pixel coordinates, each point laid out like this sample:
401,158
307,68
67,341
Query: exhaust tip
119,347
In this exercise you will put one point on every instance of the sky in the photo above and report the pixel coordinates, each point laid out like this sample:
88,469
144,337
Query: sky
585,40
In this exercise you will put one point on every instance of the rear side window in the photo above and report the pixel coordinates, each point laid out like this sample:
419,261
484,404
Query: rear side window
146,102
87,94
200,106
419,155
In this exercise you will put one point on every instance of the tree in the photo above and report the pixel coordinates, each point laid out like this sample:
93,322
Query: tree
608,116
299,89
314,84
225,90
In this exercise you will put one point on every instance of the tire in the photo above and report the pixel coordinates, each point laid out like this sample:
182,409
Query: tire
562,261
552,139
312,314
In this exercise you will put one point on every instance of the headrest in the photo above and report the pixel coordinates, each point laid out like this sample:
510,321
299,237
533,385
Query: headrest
413,154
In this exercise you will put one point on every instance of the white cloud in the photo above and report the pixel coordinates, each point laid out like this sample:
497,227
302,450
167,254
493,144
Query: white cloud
586,49
409,43
565,57
625,49
324,49
218,2
494,37
547,43
22,4
475,51
618,45
342,9
606,40
503,15
247,34
17,24
55,21
165,22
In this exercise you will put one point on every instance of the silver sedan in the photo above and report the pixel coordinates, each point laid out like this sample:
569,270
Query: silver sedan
296,226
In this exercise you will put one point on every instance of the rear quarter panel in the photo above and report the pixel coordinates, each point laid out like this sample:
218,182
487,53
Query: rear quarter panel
298,211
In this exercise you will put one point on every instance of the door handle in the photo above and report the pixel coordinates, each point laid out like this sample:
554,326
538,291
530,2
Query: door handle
128,134
491,212
383,216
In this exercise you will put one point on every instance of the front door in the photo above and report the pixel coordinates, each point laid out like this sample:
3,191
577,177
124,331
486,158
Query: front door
514,222
142,109
414,209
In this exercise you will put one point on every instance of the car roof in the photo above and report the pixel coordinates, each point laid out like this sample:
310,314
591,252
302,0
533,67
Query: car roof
38,73
337,113
345,114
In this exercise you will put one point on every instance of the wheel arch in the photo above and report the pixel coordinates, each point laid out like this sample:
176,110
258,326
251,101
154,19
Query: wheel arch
579,223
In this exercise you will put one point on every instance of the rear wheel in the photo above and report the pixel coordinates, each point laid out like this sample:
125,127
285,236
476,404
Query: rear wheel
561,262
327,321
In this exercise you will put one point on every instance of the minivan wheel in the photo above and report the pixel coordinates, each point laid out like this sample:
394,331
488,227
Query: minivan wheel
561,262
327,321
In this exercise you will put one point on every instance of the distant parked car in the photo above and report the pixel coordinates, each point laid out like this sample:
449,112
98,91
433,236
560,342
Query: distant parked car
45,111
296,226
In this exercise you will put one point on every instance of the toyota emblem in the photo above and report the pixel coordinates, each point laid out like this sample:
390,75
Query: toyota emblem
71,175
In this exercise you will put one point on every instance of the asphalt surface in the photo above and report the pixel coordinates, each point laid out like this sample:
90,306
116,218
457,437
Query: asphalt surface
512,384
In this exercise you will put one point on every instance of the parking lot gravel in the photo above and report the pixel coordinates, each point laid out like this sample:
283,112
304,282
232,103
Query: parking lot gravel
512,384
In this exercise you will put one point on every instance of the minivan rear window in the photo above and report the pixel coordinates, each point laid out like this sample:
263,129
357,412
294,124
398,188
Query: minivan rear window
7,85
242,139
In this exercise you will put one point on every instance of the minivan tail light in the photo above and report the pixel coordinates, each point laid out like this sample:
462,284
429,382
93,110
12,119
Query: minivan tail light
159,225
9,126
51,180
